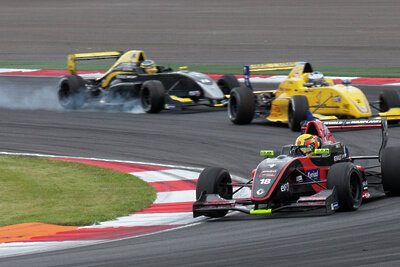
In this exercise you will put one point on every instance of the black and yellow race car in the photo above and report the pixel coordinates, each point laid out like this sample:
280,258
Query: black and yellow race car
129,78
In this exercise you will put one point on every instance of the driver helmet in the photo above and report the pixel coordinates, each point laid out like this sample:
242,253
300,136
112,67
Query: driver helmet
316,77
149,66
307,143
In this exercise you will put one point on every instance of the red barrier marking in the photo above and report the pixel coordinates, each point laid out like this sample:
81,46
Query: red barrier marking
168,207
118,166
100,233
168,186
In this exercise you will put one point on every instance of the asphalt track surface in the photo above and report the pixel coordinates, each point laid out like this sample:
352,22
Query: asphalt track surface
200,138
326,33
357,33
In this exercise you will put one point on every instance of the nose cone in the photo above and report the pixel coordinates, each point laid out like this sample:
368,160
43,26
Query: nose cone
358,101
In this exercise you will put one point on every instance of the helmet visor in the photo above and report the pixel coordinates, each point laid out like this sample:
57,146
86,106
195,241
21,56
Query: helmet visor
307,149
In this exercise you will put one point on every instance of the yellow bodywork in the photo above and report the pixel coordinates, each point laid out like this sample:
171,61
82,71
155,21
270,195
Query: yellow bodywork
326,102
391,114
132,56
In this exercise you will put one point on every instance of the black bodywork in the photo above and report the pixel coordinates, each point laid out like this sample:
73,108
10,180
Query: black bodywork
326,181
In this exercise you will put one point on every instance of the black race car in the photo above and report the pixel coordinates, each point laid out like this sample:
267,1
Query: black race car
127,81
328,180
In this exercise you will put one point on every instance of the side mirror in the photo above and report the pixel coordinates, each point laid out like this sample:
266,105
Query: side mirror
322,151
346,82
267,153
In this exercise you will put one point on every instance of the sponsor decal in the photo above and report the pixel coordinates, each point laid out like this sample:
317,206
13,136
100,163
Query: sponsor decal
260,191
334,206
339,157
366,194
170,106
268,173
275,111
299,179
311,198
121,76
194,93
313,174
265,181
337,98
285,187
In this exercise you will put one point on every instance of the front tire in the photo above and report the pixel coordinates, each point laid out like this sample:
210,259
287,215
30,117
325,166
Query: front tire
227,82
389,166
214,180
297,112
152,95
71,92
346,178
241,105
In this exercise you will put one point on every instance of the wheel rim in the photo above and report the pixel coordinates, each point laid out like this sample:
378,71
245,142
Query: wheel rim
64,97
355,187
382,104
224,190
290,116
233,107
145,99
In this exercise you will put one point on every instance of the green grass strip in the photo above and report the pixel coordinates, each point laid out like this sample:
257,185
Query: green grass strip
66,193
215,69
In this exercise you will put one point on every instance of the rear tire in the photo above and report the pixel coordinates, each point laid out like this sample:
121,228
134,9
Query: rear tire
214,180
71,92
346,178
388,98
227,82
152,95
390,170
297,112
241,105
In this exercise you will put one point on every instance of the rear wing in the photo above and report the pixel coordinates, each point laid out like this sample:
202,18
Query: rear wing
247,69
355,124
360,124
90,56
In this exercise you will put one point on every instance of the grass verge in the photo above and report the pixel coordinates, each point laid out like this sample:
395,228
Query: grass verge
66,193
215,69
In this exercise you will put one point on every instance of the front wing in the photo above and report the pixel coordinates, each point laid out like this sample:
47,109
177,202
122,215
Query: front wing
325,202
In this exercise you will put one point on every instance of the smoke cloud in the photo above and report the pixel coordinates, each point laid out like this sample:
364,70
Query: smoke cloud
22,96
14,97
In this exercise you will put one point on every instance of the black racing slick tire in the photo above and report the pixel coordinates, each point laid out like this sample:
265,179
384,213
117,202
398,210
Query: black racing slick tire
388,98
152,95
390,164
347,180
71,92
297,112
214,180
241,105
227,82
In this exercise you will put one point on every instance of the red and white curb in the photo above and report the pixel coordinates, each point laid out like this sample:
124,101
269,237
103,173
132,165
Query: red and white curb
172,208
254,79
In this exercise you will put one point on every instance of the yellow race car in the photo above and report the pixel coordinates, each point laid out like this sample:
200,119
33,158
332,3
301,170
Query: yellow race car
304,93
134,77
